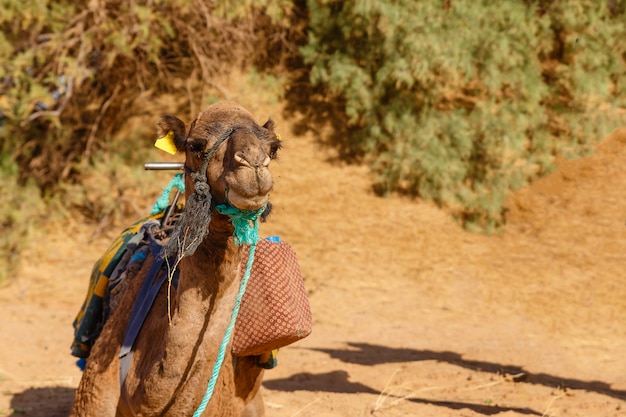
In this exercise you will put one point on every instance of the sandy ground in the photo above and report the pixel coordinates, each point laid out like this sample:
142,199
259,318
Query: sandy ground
412,315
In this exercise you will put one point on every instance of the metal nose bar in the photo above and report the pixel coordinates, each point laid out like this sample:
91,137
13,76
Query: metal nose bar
164,166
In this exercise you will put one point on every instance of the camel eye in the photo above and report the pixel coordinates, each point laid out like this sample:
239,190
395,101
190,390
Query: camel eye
274,147
196,146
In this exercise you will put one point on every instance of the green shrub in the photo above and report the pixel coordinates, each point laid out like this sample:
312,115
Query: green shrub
21,207
461,102
74,72
75,75
458,102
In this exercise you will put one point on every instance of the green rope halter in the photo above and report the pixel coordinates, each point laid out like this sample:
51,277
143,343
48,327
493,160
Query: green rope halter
245,222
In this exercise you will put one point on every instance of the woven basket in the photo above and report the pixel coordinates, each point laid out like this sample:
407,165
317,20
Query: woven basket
275,309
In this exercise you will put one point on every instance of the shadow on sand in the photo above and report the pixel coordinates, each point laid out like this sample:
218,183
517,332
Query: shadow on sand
57,401
337,382
368,354
42,402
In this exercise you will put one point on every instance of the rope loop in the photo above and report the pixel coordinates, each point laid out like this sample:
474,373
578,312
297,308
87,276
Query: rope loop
245,222
202,189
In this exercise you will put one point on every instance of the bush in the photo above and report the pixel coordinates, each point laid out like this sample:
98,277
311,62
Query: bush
462,101
458,102
73,73
20,210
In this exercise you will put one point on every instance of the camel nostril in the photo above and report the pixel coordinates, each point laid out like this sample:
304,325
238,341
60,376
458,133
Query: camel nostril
241,160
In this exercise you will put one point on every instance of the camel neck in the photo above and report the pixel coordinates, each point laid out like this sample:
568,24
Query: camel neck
207,289
213,263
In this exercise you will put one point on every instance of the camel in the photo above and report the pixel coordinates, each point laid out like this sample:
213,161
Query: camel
174,352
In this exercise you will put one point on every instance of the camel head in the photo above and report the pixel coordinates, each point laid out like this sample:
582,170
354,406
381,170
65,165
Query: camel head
227,160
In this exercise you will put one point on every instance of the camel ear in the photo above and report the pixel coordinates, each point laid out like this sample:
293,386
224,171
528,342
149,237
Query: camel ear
275,143
270,125
168,123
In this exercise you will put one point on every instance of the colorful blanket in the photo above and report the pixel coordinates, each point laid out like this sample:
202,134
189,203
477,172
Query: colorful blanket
125,256
90,318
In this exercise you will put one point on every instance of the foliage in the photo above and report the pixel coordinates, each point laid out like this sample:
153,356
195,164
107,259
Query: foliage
456,101
21,207
73,72
74,75
463,101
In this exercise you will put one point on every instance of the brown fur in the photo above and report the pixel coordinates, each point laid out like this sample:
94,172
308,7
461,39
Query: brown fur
172,363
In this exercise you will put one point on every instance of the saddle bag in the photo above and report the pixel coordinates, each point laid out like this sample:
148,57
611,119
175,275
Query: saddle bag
275,310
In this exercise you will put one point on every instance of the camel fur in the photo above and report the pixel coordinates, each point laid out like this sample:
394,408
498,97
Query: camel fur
172,361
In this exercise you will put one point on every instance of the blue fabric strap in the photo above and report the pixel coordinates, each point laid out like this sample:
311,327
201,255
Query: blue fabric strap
143,304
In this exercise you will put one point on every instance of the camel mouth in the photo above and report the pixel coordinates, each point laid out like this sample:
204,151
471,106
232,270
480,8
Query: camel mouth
247,203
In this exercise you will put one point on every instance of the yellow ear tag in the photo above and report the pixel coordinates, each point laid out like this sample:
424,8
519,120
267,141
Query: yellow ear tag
278,137
166,143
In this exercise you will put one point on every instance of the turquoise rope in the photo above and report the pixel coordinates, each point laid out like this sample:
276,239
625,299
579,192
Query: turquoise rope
164,201
246,232
245,222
